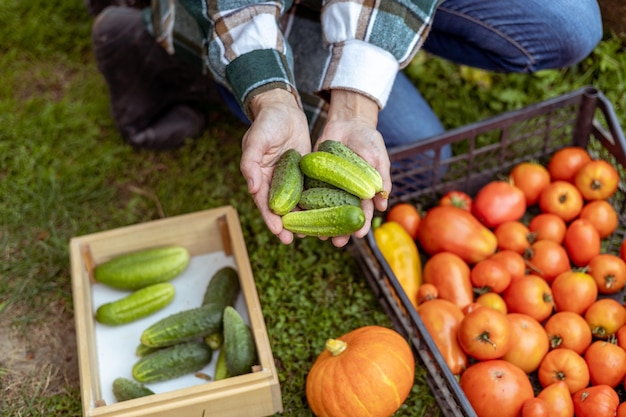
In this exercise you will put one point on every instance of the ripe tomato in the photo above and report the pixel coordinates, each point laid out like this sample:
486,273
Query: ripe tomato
621,410
406,215
609,272
531,178
529,295
605,316
597,180
513,235
512,261
426,292
485,333
606,362
574,291
596,401
564,365
493,300
451,275
566,162
496,388
582,242
498,202
547,259
559,399
457,199
535,407
489,275
529,342
568,330
441,319
622,250
561,198
603,216
621,337
548,226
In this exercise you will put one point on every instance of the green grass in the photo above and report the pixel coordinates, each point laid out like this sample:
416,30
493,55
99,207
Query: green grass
64,171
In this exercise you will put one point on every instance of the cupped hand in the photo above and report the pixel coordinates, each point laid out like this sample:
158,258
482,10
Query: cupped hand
279,124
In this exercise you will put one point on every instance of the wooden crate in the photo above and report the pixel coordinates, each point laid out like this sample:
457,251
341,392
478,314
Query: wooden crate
213,238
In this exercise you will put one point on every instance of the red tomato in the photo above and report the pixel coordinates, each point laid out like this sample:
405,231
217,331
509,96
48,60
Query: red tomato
559,399
489,275
426,292
529,342
582,242
513,235
621,410
485,333
568,330
574,291
622,250
457,199
602,215
529,295
566,162
597,180
496,388
512,261
548,226
605,317
564,365
531,178
406,215
451,275
561,198
609,272
498,202
547,259
536,407
606,362
597,401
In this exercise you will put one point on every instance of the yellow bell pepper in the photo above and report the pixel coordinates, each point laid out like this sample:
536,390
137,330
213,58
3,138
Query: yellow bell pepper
400,252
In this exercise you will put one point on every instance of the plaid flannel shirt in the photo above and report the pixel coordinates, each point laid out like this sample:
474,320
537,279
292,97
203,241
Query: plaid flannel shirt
252,46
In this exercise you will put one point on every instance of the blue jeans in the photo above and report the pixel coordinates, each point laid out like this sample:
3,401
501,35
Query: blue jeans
495,35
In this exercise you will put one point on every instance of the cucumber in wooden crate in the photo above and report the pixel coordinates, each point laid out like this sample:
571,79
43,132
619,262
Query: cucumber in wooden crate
239,348
126,389
137,305
172,362
135,270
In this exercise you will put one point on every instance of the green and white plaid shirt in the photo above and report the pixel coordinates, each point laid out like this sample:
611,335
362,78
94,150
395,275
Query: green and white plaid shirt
307,48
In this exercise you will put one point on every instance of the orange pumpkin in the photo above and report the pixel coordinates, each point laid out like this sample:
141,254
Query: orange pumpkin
368,371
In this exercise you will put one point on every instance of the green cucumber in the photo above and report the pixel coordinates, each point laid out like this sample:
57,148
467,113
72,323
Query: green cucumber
132,271
214,340
325,222
315,198
223,287
126,389
339,149
137,305
143,350
287,183
339,172
313,183
239,348
221,371
172,362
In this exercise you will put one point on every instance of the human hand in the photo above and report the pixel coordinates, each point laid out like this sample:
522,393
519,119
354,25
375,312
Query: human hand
352,120
279,124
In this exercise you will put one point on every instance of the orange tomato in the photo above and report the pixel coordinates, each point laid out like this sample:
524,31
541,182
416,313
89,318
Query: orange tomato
442,319
513,235
548,226
512,261
547,259
602,215
489,275
496,388
559,399
566,162
406,215
426,292
564,365
451,275
621,410
597,180
596,401
529,342
606,362
529,295
622,250
485,333
609,272
568,330
582,241
535,407
498,202
493,300
458,199
531,178
561,198
621,337
605,316
574,291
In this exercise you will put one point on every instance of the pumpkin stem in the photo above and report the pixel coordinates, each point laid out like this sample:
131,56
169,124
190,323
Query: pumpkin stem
336,346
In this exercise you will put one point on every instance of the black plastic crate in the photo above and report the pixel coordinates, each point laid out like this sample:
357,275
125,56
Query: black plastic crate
482,151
